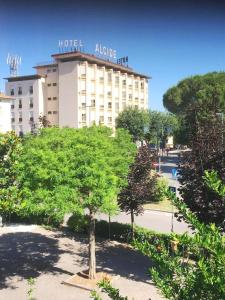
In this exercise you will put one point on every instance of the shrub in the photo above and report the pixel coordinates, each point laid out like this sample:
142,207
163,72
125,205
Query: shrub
78,223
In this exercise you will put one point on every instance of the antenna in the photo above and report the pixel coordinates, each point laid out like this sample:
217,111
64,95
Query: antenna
13,60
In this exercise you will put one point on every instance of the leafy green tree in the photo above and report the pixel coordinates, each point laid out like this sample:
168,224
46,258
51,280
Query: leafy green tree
161,126
64,170
135,121
189,91
141,184
191,267
197,95
10,149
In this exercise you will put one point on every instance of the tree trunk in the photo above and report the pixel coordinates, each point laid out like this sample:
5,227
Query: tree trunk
92,258
132,224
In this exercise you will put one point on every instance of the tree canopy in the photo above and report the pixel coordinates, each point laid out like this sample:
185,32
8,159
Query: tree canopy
195,89
135,121
10,149
64,170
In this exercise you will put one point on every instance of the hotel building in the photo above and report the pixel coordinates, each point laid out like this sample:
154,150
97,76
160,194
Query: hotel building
75,90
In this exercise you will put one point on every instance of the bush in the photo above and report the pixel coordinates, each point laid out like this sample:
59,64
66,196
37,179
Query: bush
119,232
78,223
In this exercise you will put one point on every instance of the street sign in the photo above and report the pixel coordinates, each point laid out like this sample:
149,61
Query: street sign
173,189
174,172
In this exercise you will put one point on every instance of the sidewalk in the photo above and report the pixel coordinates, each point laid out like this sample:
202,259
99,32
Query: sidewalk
51,257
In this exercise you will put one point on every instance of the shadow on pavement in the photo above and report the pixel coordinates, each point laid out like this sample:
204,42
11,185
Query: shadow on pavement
27,254
120,260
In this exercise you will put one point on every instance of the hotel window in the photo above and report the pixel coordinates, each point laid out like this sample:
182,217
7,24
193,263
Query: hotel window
142,85
101,79
101,106
93,103
49,98
20,116
53,70
123,105
101,119
49,84
109,105
109,94
31,90
54,84
55,112
124,82
117,106
54,98
49,112
20,130
31,116
12,92
12,117
83,105
117,80
136,84
130,96
31,103
13,104
48,71
83,117
109,119
124,95
109,77
19,90
20,103
136,99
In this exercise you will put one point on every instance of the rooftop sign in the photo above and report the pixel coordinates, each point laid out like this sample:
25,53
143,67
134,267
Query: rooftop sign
104,51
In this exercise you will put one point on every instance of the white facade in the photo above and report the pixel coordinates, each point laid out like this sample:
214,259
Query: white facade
76,90
5,119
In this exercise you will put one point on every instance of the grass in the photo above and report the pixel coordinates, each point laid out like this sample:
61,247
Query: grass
164,205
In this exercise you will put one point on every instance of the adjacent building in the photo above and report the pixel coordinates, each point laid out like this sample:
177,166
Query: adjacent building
5,106
75,89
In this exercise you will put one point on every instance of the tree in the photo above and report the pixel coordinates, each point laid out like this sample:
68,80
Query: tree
135,121
161,126
10,149
65,170
193,95
141,184
190,267
180,98
208,153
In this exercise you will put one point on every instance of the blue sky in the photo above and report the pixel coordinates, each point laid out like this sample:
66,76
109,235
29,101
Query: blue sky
168,40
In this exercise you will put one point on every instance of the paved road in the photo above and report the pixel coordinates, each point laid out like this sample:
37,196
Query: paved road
156,220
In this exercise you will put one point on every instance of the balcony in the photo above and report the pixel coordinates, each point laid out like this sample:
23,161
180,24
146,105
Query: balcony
20,119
